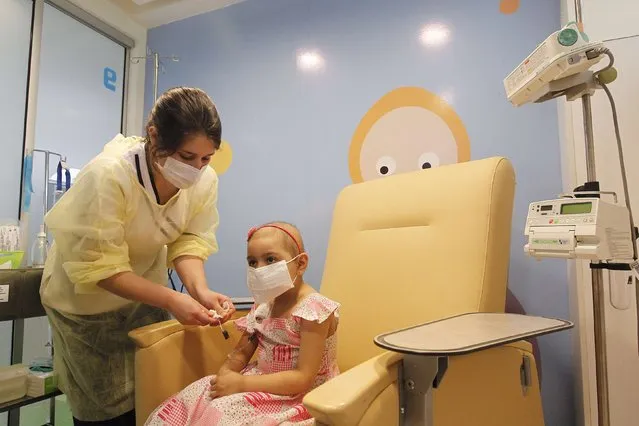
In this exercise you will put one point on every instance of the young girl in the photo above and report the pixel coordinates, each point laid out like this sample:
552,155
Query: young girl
293,330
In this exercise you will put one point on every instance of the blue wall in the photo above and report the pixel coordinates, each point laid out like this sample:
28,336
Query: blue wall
290,131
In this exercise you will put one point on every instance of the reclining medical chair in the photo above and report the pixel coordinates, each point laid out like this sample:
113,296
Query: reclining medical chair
403,250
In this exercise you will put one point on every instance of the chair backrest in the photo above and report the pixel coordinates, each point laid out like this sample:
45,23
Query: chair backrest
420,246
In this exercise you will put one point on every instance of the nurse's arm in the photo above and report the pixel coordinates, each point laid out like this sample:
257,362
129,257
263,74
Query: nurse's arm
134,287
190,269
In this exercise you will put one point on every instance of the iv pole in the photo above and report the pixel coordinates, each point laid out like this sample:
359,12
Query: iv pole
155,56
598,294
157,64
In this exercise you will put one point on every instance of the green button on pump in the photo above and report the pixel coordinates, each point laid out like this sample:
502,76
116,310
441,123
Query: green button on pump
568,37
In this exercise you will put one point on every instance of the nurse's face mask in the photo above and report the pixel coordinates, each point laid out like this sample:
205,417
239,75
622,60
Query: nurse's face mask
179,174
184,168
270,281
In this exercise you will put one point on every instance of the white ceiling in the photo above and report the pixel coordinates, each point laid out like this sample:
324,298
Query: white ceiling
153,13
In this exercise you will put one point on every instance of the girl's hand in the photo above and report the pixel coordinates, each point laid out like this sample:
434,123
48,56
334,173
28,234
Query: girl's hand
216,301
226,383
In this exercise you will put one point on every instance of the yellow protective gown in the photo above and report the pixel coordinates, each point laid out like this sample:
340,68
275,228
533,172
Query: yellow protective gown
110,222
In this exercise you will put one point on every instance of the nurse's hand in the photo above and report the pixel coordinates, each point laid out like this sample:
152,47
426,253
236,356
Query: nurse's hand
189,311
216,301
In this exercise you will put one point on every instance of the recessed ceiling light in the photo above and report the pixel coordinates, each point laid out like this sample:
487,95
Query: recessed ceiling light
435,34
309,61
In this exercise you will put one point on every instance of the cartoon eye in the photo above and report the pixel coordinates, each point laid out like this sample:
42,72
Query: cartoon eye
386,166
428,160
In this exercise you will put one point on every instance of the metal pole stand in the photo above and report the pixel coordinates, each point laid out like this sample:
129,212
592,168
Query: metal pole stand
601,357
418,376
598,293
157,66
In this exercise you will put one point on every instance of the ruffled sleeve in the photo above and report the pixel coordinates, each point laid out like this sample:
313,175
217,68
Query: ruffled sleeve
246,323
317,308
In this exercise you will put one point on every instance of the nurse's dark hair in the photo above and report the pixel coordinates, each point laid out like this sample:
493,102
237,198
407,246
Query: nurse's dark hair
182,112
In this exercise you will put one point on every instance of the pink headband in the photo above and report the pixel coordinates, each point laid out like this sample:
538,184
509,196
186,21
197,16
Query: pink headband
257,228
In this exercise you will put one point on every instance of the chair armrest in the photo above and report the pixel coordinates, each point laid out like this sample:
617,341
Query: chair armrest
170,356
146,336
344,399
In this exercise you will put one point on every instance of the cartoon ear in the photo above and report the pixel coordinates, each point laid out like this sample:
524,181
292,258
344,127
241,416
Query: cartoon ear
221,160
508,7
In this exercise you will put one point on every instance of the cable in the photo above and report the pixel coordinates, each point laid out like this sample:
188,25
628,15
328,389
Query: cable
624,178
622,164
608,52
170,272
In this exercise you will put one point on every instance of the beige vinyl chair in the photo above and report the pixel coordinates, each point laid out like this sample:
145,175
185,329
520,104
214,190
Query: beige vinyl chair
403,250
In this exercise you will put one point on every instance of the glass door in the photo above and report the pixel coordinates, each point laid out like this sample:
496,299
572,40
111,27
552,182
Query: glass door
15,44
79,109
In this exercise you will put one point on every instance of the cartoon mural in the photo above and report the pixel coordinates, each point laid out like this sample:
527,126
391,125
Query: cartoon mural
222,159
508,7
409,129
390,138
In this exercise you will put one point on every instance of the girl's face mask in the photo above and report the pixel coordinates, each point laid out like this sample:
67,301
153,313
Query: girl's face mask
268,282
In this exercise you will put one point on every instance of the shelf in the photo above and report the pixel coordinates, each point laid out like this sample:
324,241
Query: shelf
27,400
23,287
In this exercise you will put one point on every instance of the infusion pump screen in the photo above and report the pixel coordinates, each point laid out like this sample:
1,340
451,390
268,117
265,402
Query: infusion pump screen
576,208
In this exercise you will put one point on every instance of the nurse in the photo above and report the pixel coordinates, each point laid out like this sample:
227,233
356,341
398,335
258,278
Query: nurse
142,204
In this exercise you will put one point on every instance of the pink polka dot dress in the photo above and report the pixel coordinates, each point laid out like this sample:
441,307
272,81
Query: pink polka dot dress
278,350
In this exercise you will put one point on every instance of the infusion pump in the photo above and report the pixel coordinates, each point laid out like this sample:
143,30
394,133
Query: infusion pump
579,228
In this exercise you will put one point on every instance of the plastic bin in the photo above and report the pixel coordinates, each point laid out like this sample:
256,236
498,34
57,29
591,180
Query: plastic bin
13,382
11,259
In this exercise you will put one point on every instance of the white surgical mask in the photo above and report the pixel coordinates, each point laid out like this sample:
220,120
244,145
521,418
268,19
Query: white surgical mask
179,174
268,282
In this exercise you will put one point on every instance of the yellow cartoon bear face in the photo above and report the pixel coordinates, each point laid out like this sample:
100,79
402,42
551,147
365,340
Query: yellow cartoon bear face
222,159
406,130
